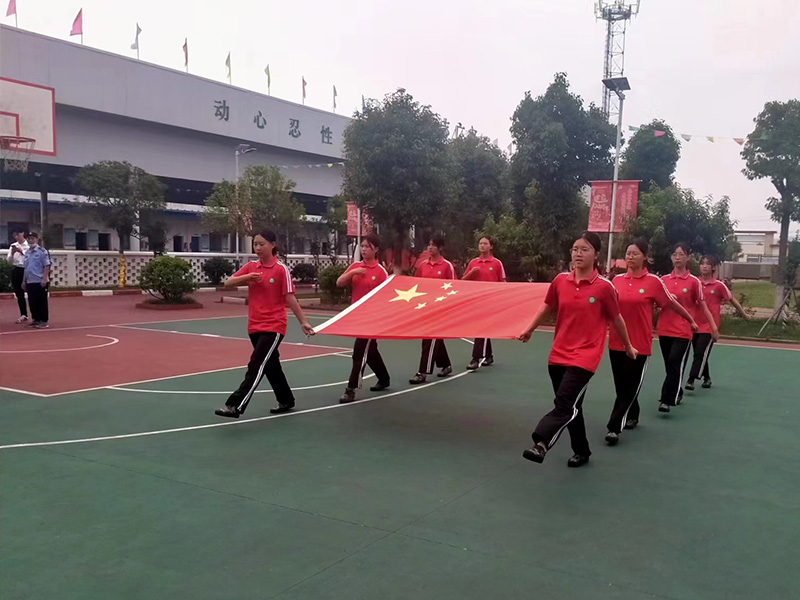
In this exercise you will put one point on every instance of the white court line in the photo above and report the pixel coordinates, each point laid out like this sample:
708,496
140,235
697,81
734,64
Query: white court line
224,337
16,391
118,325
105,337
105,387
185,392
230,423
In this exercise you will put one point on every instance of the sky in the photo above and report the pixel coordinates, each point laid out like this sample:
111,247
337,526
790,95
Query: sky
705,67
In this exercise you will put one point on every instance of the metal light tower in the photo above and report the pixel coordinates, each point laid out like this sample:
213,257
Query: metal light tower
616,14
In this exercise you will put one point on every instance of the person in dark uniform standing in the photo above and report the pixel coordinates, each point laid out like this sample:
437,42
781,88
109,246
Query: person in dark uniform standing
483,268
675,333
434,352
36,281
16,256
270,291
584,303
364,276
638,291
715,292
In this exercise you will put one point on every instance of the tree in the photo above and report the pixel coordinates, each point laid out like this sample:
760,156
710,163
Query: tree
515,245
772,152
649,158
671,215
398,167
561,146
120,194
336,219
477,192
263,199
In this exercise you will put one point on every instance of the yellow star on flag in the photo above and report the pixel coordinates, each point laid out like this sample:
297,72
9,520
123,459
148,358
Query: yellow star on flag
421,305
450,293
447,286
440,298
407,295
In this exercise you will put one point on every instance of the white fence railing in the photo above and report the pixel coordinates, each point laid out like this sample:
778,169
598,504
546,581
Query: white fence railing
95,269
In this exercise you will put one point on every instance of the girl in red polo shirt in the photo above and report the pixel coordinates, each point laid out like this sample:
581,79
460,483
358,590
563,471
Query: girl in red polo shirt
674,333
365,276
715,292
638,292
270,290
585,303
484,268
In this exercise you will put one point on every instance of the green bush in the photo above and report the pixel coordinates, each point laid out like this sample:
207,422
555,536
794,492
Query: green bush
5,276
217,269
304,272
169,278
331,294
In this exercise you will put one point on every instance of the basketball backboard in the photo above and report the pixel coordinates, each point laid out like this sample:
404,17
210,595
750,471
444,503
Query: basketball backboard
29,110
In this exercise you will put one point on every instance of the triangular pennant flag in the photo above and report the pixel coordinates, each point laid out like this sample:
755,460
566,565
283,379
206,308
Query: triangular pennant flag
186,53
228,66
304,88
510,150
659,133
632,128
739,141
687,137
135,44
709,138
495,141
269,78
77,24
12,8
335,94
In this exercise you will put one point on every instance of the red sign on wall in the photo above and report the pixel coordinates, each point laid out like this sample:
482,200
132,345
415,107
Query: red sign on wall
352,220
600,205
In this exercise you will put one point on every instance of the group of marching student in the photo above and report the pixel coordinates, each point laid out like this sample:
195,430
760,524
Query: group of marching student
367,274
584,303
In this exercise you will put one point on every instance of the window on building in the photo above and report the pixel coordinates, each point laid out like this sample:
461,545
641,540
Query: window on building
103,241
195,244
81,240
215,242
177,243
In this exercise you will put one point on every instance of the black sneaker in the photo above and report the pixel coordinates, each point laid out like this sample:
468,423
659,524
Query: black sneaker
577,460
281,408
706,384
228,411
416,379
445,372
380,386
631,423
488,362
612,438
689,385
473,365
535,453
663,407
348,396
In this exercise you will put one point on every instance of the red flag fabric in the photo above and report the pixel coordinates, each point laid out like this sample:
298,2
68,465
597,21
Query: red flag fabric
659,133
12,8
407,308
600,204
739,141
77,24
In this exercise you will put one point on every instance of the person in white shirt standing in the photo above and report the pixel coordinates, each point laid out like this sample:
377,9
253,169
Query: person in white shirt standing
16,256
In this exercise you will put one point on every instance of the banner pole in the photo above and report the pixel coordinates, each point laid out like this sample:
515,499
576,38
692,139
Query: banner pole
614,184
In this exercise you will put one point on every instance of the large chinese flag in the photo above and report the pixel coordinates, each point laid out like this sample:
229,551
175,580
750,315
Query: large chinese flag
417,308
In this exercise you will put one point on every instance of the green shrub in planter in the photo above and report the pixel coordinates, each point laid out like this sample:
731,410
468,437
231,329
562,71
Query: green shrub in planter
169,278
5,275
304,272
331,294
217,269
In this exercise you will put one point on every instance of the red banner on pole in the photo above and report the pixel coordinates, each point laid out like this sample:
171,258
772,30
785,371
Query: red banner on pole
419,308
600,205
352,220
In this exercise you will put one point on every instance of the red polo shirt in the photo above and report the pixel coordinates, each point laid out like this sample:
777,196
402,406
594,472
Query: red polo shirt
364,284
491,269
584,310
687,290
715,293
440,269
637,295
266,307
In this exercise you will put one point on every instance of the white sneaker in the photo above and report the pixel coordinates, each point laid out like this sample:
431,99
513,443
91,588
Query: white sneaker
22,319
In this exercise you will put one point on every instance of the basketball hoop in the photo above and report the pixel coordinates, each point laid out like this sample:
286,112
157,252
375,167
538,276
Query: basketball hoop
15,152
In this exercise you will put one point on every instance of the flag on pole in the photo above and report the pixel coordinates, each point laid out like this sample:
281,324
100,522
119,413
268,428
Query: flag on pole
269,79
632,128
228,66
135,44
739,141
710,138
186,53
77,25
419,308
686,136
12,8
304,90
496,141
659,133
335,94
